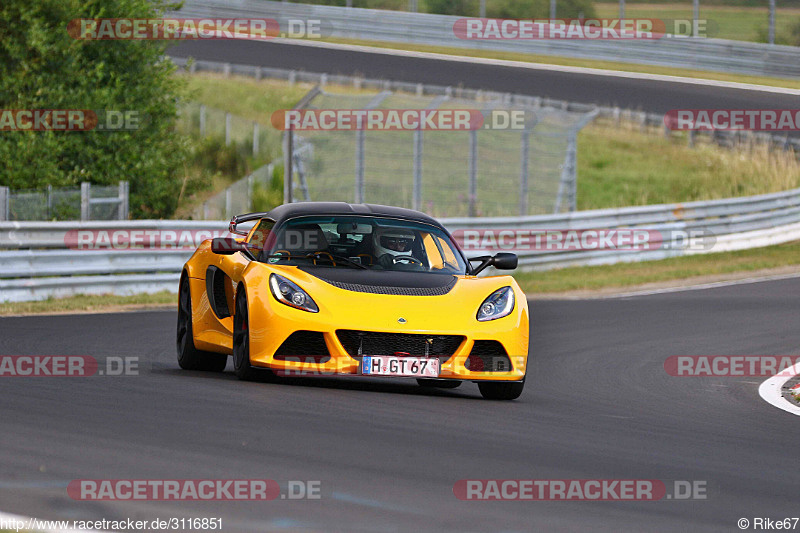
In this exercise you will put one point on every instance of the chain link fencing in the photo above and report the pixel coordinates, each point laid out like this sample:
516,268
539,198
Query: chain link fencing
446,173
87,202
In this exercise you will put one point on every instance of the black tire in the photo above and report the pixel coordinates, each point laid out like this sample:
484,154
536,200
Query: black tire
189,357
439,383
241,342
501,390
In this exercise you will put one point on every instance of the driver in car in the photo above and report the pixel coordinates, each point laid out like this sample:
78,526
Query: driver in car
393,246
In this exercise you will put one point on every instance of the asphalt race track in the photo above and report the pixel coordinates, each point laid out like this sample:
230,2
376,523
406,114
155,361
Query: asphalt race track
656,96
598,405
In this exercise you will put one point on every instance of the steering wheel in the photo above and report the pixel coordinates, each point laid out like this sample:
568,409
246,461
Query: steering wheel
407,260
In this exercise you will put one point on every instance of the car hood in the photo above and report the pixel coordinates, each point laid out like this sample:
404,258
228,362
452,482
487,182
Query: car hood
384,282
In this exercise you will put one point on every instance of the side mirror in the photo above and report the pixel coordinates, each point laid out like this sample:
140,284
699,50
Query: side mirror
505,261
501,261
226,245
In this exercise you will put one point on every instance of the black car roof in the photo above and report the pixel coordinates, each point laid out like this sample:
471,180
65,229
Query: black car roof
285,211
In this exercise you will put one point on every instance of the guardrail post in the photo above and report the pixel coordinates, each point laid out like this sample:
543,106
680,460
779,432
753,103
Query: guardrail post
226,70
4,199
255,139
473,173
258,73
202,121
523,173
86,192
416,200
124,200
228,117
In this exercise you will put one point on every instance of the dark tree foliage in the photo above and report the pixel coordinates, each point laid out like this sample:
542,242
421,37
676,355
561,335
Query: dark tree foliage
42,67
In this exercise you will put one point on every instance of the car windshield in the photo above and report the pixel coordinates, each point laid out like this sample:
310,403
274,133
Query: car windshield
358,242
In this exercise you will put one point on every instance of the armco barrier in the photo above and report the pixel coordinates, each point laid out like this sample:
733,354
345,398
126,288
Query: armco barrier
36,259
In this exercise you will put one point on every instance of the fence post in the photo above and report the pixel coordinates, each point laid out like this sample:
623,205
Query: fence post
570,170
228,203
288,147
124,200
523,173
49,201
417,184
4,200
473,172
359,192
255,139
202,121
227,129
86,192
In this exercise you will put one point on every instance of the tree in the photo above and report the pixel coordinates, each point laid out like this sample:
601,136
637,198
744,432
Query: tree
43,67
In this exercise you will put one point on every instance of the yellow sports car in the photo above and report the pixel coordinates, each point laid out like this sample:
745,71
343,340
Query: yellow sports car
328,288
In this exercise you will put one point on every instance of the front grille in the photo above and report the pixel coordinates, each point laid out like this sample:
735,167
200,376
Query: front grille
358,343
488,356
307,346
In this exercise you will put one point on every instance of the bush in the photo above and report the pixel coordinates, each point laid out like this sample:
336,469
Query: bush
265,198
44,68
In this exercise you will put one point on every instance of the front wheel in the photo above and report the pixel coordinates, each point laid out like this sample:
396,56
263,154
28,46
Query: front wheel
241,341
501,390
189,357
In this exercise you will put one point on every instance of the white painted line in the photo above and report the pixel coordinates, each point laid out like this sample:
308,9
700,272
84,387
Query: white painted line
25,523
538,66
770,390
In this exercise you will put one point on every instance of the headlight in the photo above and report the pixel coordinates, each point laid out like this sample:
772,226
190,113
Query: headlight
290,294
499,304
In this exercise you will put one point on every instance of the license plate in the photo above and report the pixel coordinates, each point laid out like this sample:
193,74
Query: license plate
387,365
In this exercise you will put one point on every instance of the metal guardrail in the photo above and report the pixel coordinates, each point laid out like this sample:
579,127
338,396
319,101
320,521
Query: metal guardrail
36,261
419,28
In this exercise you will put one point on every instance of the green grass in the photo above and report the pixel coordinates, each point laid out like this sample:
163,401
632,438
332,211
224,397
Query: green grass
619,166
88,303
674,269
731,22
